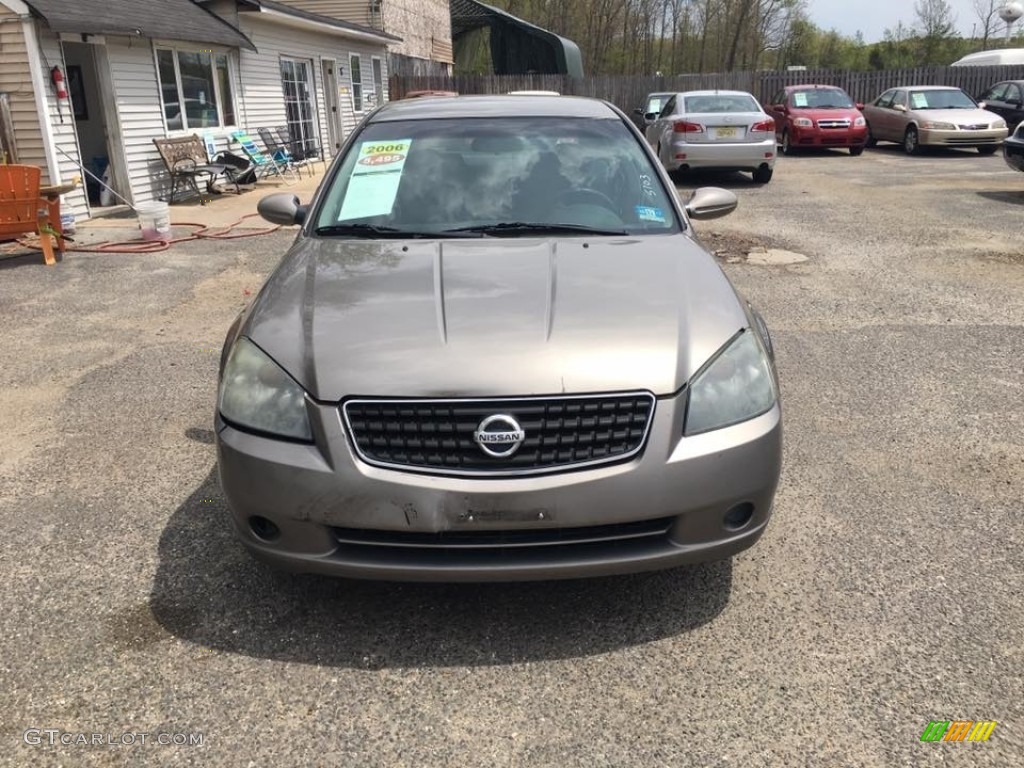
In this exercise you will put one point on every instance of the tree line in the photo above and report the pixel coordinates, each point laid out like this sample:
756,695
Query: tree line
648,37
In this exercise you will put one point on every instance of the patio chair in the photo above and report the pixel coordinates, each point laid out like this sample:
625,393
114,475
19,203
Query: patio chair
280,151
308,150
263,164
24,211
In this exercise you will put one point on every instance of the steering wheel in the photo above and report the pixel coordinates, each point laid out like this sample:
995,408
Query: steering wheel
587,195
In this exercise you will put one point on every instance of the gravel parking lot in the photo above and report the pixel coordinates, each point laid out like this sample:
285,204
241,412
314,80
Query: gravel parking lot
887,592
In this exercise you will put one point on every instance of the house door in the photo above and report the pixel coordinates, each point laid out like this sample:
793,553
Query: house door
299,103
335,132
97,127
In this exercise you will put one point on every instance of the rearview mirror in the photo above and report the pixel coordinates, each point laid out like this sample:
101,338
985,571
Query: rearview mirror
282,208
711,203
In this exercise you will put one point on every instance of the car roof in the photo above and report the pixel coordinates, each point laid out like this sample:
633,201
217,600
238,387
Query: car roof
925,88
715,93
440,107
805,86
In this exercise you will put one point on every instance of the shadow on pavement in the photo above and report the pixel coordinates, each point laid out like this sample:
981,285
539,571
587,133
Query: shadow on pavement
209,591
1001,196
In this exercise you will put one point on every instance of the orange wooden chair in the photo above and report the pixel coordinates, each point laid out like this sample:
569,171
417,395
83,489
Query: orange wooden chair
24,211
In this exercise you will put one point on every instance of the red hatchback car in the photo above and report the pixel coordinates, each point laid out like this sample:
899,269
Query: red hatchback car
817,116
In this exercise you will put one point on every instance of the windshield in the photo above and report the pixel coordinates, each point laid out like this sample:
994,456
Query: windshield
721,103
822,98
437,177
951,98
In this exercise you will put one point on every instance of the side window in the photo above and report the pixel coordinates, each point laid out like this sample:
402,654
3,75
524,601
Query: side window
779,98
997,93
900,97
885,100
669,108
1013,95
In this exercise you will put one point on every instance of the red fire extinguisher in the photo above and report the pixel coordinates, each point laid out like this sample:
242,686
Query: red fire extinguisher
58,83
60,88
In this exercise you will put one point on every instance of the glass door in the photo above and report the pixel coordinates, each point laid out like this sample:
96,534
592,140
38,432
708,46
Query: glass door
299,106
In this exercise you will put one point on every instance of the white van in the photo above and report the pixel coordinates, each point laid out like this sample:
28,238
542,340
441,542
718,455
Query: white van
997,58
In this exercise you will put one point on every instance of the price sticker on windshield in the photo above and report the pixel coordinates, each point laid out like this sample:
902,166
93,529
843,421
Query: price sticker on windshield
376,175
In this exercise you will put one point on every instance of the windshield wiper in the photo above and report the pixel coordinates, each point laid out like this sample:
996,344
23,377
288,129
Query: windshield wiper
376,230
512,228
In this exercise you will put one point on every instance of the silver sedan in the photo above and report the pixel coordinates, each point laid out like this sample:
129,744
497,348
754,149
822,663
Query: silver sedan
722,130
497,351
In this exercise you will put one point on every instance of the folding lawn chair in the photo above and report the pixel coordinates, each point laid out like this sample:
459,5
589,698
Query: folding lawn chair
280,152
308,150
263,164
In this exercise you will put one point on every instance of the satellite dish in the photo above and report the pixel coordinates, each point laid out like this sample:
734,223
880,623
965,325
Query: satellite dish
1011,12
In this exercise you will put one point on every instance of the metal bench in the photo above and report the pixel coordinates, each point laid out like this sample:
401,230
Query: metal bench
185,158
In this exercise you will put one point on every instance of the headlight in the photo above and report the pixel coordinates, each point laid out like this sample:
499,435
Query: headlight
859,122
933,126
999,124
735,386
255,392
803,122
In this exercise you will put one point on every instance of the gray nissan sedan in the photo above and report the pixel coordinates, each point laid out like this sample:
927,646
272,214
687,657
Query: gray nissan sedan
496,351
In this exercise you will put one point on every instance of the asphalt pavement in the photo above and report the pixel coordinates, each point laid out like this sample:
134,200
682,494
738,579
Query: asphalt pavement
888,591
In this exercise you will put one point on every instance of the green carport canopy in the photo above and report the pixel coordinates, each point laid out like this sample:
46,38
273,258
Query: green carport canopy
517,47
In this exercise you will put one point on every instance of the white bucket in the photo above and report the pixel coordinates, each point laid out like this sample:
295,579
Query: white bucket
154,221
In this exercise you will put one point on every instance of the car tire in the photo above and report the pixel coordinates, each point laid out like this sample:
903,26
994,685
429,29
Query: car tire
787,146
763,175
856,151
988,149
911,141
872,141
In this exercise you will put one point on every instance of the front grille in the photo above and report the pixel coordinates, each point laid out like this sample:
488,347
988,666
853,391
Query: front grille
437,436
833,123
522,539
978,127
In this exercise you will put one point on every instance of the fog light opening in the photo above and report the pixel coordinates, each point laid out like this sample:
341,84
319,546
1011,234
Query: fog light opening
739,516
264,529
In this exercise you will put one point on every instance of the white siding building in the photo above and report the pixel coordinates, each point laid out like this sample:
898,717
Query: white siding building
139,70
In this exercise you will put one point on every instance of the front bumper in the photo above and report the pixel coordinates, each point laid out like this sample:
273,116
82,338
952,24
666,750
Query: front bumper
828,137
746,156
934,138
334,514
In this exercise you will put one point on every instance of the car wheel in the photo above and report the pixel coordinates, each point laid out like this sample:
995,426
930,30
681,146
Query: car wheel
763,175
988,149
787,145
910,142
856,151
872,141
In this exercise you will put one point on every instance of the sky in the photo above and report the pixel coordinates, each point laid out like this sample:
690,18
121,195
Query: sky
872,17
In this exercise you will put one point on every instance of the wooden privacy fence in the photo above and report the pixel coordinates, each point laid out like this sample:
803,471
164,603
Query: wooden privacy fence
628,92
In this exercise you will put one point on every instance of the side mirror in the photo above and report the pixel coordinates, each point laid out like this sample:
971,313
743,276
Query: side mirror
651,116
282,208
859,106
779,107
711,203
638,111
899,107
982,105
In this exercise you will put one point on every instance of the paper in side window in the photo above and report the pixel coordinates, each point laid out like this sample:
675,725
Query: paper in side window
373,185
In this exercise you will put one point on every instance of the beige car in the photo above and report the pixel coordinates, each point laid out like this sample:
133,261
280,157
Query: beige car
933,115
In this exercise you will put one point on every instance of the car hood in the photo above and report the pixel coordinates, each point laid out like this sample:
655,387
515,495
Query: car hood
957,116
494,317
